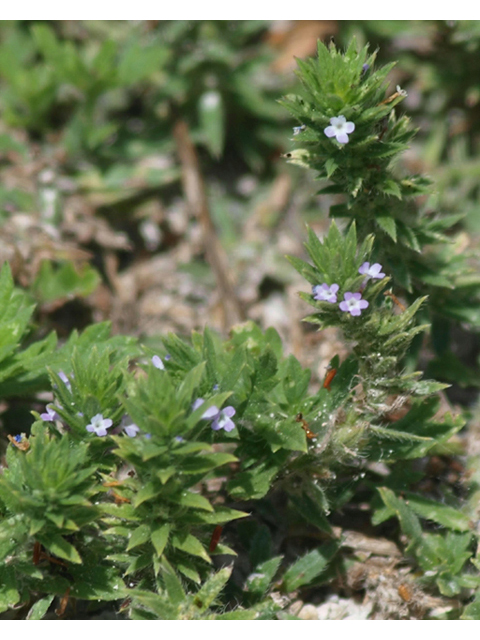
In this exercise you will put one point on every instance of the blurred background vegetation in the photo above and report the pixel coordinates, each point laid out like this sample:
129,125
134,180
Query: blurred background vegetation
142,178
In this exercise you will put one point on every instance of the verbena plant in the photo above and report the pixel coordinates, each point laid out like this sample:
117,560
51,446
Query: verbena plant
119,493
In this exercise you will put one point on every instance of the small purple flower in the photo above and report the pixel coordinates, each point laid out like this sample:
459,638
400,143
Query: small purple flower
179,439
222,421
99,425
18,437
128,426
215,387
353,303
220,417
157,362
51,415
168,357
131,430
339,127
64,378
210,413
325,292
373,271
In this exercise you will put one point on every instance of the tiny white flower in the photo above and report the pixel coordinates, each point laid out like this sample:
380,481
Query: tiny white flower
297,130
339,127
353,303
325,292
158,363
373,271
99,425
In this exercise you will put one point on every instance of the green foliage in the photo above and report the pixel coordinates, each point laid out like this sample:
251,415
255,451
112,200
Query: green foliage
413,243
65,282
142,513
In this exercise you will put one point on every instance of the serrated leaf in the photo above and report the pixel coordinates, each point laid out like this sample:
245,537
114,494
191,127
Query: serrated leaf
173,586
387,223
190,544
159,537
309,567
259,581
206,595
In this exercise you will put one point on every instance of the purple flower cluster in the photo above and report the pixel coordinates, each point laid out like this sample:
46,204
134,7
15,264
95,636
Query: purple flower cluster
352,303
220,417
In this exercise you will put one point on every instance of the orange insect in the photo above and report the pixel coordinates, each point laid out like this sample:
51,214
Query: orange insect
331,373
217,532
299,418
405,592
119,499
395,299
63,603
397,93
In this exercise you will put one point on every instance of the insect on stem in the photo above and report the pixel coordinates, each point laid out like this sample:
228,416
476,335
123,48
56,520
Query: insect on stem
331,373
299,418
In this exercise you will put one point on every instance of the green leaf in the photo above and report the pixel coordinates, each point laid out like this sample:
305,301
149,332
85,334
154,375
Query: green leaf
40,608
387,223
309,567
190,544
96,581
312,511
159,537
204,463
258,582
206,595
193,500
64,282
408,520
173,586
157,604
438,512
188,572
212,121
59,547
139,536
330,167
472,611
9,595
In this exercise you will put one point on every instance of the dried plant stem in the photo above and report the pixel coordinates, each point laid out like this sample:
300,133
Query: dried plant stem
194,189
